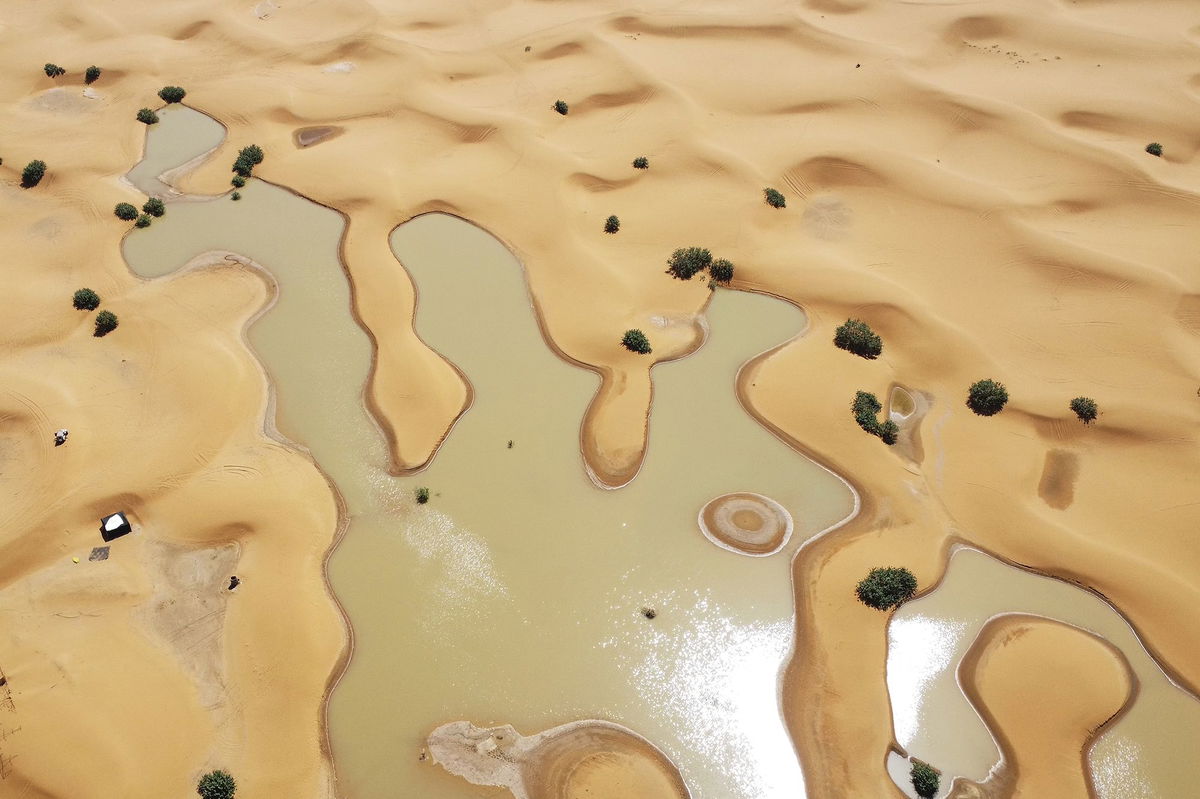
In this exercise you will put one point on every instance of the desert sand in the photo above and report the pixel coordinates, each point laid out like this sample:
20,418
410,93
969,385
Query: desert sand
970,180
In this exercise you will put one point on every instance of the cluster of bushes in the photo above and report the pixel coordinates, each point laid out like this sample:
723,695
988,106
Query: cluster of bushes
774,198
153,207
88,300
90,75
687,262
33,173
561,107
988,398
641,162
856,336
886,588
636,341
422,495
866,408
1155,149
612,224
243,166
216,785
147,116
54,71
925,779
171,94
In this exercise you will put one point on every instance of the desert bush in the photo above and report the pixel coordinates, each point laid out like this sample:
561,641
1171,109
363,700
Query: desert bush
216,785
612,224
636,341
154,207
1085,408
106,322
774,198
987,397
172,94
866,407
1154,148
33,173
143,220
125,211
238,181
147,117
884,589
237,195
248,158
422,495
925,779
721,271
641,162
86,300
91,74
561,107
54,71
856,336
686,262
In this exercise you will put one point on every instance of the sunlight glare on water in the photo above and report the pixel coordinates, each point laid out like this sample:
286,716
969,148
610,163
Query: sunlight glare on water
919,649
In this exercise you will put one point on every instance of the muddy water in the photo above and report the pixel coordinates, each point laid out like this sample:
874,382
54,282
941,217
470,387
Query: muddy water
1147,753
180,135
516,594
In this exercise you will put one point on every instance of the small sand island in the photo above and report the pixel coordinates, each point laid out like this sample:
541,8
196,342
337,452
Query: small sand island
747,523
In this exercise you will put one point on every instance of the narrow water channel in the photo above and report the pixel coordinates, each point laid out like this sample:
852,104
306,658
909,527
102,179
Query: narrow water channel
1146,754
516,594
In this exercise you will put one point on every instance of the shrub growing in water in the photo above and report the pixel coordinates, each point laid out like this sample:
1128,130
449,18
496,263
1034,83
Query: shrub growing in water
216,785
172,94
561,107
636,341
721,271
866,406
125,211
91,74
238,181
237,195
774,198
925,779
54,70
86,300
143,221
686,262
1085,408
154,207
612,224
641,162
1154,148
106,322
987,397
147,117
33,173
855,335
884,589
422,495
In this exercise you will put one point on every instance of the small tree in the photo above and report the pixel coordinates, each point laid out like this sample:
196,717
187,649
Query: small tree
237,195
612,224
172,94
154,207
866,407
92,74
143,221
686,262
86,300
925,779
147,117
248,158
422,495
106,322
561,107
856,336
641,162
33,173
884,589
1085,408
636,341
774,198
216,785
125,211
987,397
721,271
54,71
238,181
1155,149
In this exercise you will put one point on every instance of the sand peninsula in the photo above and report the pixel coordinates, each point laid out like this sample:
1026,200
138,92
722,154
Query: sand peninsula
976,183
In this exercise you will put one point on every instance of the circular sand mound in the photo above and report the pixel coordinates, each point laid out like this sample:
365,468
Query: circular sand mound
747,523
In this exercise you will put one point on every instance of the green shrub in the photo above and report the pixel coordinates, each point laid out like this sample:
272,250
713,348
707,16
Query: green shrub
237,195
86,300
1085,408
154,207
125,211
612,224
143,221
91,74
238,181
248,158
884,589
856,336
561,107
774,198
721,271
106,322
1154,148
636,341
172,94
925,779
54,70
641,162
422,495
216,785
866,407
685,263
33,173
987,397
147,117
